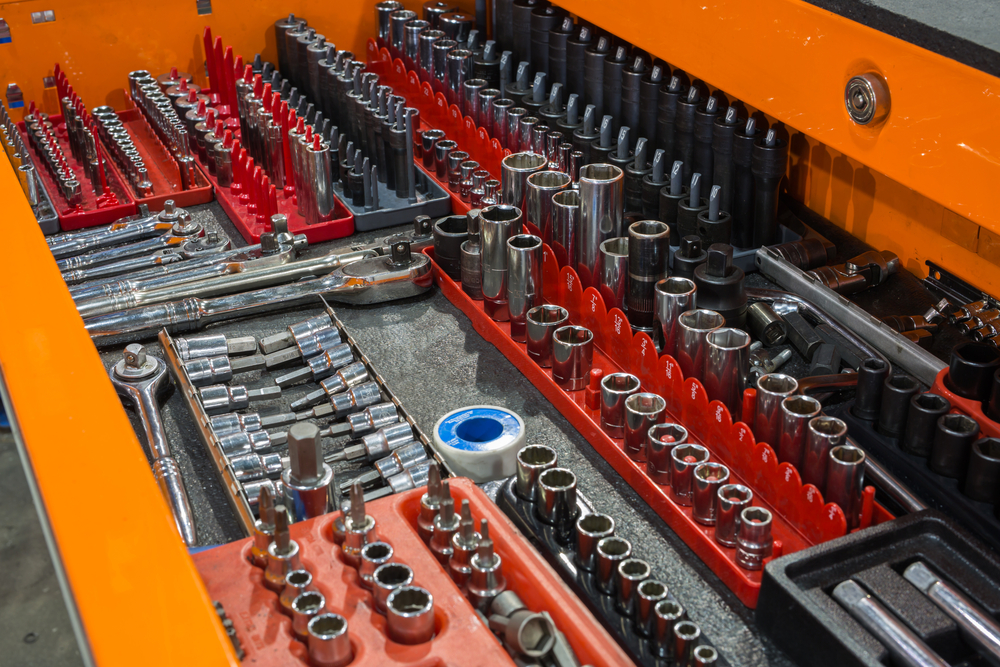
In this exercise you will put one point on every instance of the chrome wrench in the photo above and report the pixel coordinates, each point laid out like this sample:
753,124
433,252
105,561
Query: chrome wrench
139,378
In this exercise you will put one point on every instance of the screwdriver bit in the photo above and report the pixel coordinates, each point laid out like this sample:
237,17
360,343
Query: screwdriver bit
464,543
359,528
341,380
430,503
446,524
263,532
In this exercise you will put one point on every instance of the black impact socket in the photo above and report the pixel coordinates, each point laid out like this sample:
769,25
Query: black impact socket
593,73
744,187
537,97
982,477
521,14
723,134
689,207
769,162
671,196
897,391
801,335
652,183
714,224
992,405
621,156
614,68
486,65
543,20
631,96
850,354
602,149
635,173
521,85
449,234
687,107
720,285
872,374
825,360
572,120
690,254
649,97
953,438
555,110
588,132
704,127
921,421
971,371
558,40
576,49
666,115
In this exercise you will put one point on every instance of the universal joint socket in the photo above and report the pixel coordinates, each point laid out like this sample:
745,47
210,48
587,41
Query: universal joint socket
307,480
720,285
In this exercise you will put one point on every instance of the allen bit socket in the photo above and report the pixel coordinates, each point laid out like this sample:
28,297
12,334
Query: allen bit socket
376,445
359,528
372,418
977,627
464,543
628,577
690,206
213,345
373,556
642,411
556,501
409,479
307,481
297,582
304,608
353,400
209,370
241,443
593,73
703,157
446,525
845,481
524,281
693,328
666,615
342,379
609,553
386,579
660,442
822,435
903,644
410,615
924,412
796,414
219,398
403,458
953,438
486,581
328,641
318,366
295,333
613,278
532,461
430,504
252,467
282,553
616,388
263,528
683,461
686,107
715,225
727,361
708,479
772,389
585,135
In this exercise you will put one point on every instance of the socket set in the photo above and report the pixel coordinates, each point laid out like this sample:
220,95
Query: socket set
618,586
27,175
246,447
798,514
377,585
916,591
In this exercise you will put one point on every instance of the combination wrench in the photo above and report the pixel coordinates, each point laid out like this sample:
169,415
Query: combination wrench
140,378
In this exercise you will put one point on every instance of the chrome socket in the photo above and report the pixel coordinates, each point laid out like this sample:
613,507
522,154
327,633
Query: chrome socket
630,574
297,582
540,187
753,540
556,503
610,552
540,323
373,556
642,411
565,218
796,414
772,389
822,435
686,636
845,480
387,578
410,615
514,172
666,615
647,595
524,281
616,388
708,479
731,500
693,327
613,277
683,460
304,608
726,365
602,201
532,461
572,357
329,643
660,441
499,224
591,529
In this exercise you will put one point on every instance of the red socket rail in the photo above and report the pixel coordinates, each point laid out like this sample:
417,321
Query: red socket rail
460,637
252,200
801,518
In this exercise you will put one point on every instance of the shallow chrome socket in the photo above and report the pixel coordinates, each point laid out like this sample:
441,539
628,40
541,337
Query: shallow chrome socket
373,556
753,539
666,615
630,574
386,579
731,500
822,435
660,441
647,594
708,479
683,460
556,503
297,582
591,529
572,357
304,607
329,643
693,328
532,461
642,411
686,636
514,172
541,323
616,388
796,414
609,553
498,224
410,615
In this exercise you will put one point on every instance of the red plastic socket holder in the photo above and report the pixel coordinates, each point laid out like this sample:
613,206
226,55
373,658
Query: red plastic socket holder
801,517
966,406
94,210
460,637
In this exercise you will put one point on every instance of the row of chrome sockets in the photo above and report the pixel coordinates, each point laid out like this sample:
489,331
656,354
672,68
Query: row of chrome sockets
645,602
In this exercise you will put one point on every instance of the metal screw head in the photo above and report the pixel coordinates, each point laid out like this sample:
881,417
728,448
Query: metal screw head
867,98
135,356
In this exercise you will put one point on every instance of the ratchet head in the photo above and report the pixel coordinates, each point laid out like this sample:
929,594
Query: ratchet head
398,275
138,369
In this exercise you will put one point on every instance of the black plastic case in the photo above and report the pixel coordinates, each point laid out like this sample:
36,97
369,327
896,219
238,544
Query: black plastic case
796,611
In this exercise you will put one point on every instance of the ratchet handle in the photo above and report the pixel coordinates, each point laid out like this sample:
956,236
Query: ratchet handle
168,478
156,435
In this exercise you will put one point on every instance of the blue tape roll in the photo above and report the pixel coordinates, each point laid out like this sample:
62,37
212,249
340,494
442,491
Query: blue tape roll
480,441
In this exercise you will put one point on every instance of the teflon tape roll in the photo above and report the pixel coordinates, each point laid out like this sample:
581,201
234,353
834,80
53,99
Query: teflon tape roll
480,441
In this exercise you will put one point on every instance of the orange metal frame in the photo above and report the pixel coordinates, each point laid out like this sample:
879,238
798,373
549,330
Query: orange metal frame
895,186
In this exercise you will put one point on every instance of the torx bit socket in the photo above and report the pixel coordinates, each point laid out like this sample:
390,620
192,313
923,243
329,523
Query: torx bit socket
217,399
